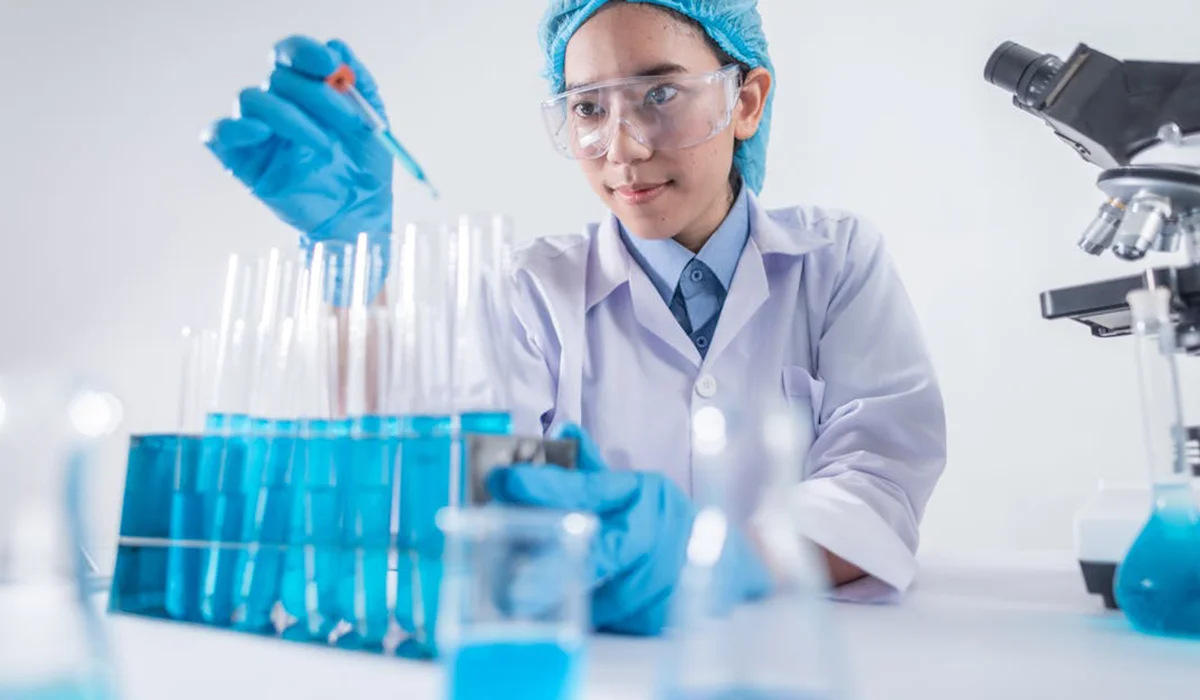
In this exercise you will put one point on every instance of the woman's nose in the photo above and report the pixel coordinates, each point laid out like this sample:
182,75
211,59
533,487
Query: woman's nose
626,149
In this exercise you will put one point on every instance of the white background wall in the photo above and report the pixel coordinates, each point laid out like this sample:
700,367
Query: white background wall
115,221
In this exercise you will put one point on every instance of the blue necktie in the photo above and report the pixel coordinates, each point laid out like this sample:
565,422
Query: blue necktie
697,280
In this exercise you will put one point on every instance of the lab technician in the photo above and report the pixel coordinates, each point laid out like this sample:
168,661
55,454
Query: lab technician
689,294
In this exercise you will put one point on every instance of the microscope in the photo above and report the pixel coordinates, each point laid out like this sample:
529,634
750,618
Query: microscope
1140,123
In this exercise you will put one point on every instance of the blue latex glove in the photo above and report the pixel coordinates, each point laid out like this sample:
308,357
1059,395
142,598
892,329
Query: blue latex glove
640,550
303,149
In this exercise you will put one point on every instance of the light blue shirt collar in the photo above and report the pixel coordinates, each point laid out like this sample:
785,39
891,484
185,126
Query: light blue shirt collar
664,260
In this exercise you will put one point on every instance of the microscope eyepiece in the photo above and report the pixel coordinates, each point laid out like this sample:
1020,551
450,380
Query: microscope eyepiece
1024,72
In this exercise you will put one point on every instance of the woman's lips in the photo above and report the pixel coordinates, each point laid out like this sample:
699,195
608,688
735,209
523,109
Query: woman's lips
640,193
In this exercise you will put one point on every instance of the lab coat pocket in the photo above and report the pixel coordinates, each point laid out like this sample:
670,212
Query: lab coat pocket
805,394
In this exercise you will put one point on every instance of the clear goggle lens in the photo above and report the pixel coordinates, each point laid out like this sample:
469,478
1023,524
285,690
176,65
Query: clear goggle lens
663,113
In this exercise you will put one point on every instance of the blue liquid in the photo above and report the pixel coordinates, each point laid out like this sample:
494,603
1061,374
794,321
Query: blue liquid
425,452
312,562
366,528
222,473
186,524
742,692
1158,584
406,160
140,575
418,584
57,690
425,488
487,422
259,568
516,670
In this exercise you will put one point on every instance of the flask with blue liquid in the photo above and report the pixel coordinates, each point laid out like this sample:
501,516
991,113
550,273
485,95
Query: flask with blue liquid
1158,583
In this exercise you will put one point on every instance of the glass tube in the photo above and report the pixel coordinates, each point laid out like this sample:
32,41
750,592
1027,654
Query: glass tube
483,337
309,588
1158,386
271,448
423,389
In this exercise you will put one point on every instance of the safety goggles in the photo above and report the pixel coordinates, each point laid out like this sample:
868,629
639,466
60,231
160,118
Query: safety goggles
663,113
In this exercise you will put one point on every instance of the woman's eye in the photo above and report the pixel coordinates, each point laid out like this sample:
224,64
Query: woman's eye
661,95
586,110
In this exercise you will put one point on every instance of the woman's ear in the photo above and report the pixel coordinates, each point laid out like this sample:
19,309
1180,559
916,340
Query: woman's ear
752,101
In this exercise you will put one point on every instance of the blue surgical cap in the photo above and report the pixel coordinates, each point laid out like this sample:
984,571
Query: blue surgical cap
734,24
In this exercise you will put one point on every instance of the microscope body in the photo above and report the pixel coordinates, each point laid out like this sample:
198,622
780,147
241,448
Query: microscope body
1140,123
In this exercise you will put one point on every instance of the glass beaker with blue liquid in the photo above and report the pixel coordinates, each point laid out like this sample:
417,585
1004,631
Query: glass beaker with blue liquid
1158,583
515,602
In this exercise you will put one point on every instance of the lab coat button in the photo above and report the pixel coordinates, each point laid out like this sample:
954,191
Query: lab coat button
706,387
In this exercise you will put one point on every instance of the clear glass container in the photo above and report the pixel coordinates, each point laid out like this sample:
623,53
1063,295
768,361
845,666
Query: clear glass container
515,602
783,647
1158,584
52,646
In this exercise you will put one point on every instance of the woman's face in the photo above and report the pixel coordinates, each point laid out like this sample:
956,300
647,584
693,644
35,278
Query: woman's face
683,194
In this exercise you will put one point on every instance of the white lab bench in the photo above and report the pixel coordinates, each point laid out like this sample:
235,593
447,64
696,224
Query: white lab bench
1020,628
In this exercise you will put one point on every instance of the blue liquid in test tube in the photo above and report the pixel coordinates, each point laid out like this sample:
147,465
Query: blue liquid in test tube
269,459
186,530
222,467
425,464
366,528
312,567
487,422
140,576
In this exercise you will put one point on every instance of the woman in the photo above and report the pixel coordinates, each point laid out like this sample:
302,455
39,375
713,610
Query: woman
690,294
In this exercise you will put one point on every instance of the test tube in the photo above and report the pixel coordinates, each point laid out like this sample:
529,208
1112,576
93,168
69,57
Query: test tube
185,529
309,591
423,389
248,318
270,447
366,480
483,337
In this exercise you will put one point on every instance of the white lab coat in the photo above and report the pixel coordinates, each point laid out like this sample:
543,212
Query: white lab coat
815,315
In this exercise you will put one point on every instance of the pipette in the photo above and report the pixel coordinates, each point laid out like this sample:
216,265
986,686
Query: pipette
342,80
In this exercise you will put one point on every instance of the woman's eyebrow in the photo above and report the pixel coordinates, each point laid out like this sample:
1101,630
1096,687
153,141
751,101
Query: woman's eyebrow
657,69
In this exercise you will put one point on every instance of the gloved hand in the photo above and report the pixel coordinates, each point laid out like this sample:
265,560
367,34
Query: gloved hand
304,150
640,549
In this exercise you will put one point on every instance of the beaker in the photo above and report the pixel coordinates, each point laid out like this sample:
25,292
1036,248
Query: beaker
515,602
723,643
1158,583
52,645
